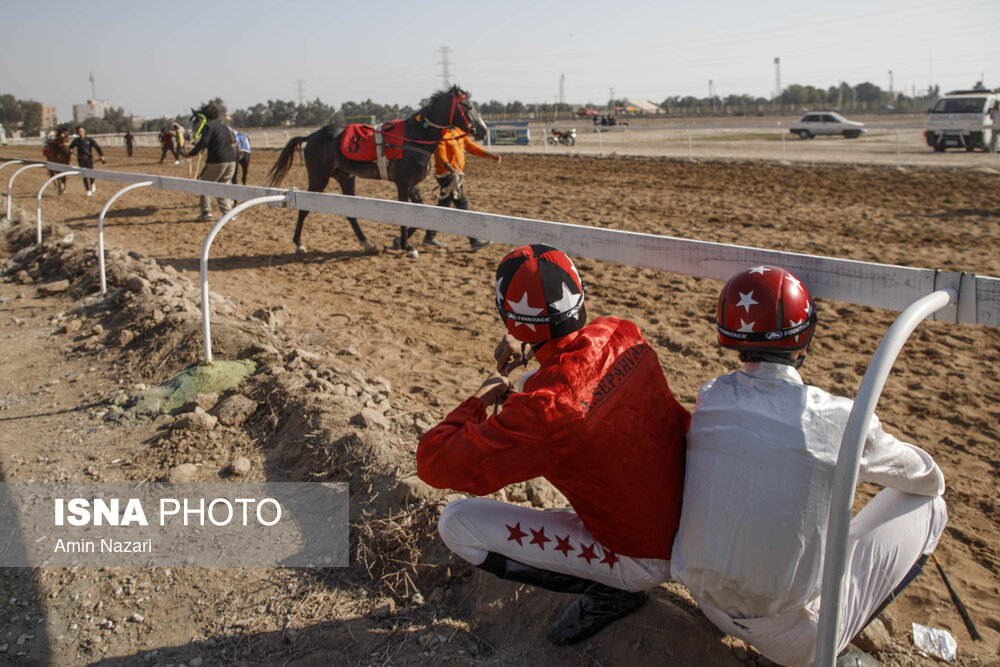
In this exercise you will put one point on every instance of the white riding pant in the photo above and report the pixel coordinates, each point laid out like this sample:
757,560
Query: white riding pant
886,538
555,541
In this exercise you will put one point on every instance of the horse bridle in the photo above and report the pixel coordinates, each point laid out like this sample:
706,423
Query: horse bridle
196,134
456,102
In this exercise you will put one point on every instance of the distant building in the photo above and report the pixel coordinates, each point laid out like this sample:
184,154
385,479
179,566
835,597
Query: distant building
50,117
643,106
93,108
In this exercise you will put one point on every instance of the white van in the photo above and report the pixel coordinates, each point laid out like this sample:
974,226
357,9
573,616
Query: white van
961,119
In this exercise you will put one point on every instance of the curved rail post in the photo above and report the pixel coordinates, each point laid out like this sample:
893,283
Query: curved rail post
845,476
10,183
100,229
38,201
205,325
10,162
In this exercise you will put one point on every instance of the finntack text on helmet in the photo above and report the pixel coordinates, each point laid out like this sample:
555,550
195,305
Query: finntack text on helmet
217,512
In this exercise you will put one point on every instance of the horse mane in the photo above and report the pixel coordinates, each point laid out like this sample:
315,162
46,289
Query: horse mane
453,91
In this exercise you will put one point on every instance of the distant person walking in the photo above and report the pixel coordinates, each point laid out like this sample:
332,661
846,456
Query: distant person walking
220,162
85,146
129,142
167,144
449,170
178,137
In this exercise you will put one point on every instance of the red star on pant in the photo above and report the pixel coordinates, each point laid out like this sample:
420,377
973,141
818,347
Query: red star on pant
587,553
538,537
610,558
563,545
516,534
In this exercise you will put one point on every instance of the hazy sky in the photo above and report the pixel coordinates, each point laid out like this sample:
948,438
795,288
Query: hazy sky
154,58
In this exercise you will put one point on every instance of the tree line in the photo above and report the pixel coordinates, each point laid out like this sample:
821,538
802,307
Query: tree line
26,115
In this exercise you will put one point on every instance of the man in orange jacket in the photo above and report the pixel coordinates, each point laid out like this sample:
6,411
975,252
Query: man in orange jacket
449,168
597,420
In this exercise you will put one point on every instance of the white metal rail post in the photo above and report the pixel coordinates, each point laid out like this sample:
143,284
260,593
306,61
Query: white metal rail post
10,183
845,476
10,162
100,229
38,202
206,326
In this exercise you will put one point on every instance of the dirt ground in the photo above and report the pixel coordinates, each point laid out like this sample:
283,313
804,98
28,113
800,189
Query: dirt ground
428,327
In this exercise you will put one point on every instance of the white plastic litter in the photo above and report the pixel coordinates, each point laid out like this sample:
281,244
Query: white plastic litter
935,642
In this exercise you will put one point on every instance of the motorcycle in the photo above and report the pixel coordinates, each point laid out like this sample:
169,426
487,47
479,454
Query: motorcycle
567,138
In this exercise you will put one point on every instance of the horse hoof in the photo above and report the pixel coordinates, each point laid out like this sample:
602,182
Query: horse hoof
300,250
370,248
412,253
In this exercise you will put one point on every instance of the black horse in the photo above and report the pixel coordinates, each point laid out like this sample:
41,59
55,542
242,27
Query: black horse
241,143
421,135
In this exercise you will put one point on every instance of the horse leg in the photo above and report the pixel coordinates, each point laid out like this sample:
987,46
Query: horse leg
347,183
297,239
319,175
407,192
246,166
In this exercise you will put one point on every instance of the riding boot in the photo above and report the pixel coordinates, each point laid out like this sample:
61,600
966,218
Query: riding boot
598,606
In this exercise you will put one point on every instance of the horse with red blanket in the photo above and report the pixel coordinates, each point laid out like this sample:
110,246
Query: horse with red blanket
399,151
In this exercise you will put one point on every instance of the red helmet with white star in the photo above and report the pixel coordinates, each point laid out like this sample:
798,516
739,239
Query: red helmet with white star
539,293
765,308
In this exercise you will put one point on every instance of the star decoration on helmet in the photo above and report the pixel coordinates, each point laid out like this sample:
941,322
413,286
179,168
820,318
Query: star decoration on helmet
758,269
746,327
747,300
521,307
793,323
565,302
796,284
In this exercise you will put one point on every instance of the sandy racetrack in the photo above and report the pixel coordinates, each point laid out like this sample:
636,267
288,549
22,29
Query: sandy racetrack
429,325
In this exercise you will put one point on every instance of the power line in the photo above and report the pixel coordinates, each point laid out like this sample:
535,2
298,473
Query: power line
445,74
299,84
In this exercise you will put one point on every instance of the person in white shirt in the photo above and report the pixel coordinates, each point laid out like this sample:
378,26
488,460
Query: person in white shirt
761,454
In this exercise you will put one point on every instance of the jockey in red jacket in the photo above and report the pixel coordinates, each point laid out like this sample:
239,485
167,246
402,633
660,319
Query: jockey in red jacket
597,420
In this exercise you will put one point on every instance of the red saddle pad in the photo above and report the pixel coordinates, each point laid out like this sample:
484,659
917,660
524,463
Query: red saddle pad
358,141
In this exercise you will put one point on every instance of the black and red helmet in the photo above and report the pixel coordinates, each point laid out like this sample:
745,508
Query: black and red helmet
765,308
539,293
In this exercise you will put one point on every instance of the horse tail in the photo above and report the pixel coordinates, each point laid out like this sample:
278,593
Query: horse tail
280,169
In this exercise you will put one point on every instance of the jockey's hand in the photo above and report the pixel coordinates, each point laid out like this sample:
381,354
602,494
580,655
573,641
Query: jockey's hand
508,354
494,389
496,157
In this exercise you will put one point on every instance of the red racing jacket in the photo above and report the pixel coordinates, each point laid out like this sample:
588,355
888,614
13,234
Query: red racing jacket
597,420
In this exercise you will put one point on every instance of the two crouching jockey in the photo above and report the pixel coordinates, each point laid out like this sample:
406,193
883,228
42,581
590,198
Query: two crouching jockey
596,419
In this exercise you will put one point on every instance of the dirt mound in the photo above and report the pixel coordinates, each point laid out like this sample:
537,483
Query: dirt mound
306,415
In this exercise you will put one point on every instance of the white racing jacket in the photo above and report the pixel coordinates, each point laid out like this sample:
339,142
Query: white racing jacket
761,454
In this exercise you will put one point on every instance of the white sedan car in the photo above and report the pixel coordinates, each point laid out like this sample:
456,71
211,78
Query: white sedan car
815,123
